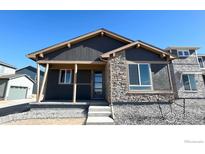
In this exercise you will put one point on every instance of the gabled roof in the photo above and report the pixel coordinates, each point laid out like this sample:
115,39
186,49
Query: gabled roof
181,48
8,65
13,76
33,69
139,44
101,31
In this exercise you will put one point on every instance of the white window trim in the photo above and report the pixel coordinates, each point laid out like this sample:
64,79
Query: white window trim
189,84
202,63
150,74
183,55
59,82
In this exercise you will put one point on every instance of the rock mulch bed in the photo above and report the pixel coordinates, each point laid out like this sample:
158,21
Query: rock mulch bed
161,114
64,121
54,113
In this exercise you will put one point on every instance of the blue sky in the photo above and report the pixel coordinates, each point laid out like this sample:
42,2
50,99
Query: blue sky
22,32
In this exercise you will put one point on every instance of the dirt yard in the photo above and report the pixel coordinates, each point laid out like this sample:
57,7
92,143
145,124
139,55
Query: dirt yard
65,121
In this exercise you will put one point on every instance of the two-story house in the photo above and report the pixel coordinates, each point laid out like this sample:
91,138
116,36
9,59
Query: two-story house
14,86
6,68
187,77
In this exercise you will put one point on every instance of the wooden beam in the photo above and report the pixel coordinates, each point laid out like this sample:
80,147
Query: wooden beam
69,62
38,81
69,45
43,83
74,82
41,55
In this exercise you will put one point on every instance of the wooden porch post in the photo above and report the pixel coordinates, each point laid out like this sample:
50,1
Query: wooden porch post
74,83
38,81
44,81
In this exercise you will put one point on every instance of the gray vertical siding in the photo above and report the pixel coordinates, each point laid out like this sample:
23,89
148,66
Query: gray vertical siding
160,77
89,50
55,91
141,54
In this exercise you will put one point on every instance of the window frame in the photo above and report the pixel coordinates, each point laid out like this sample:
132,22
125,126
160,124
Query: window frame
191,90
202,62
183,51
59,77
139,76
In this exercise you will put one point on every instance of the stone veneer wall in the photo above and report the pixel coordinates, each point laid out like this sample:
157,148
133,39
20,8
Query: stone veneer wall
119,84
189,65
107,82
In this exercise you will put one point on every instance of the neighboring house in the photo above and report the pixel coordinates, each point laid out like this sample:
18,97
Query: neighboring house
6,69
15,86
31,72
187,75
201,60
104,65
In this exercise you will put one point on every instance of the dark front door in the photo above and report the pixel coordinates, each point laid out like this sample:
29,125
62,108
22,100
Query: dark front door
97,85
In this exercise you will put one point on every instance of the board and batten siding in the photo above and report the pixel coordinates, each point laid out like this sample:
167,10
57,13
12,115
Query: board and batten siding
141,54
160,72
88,50
56,91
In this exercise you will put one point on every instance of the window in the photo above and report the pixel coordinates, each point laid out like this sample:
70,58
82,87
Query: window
65,76
139,77
189,82
183,53
201,63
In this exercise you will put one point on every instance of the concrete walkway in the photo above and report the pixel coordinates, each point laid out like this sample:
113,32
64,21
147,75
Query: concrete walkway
9,103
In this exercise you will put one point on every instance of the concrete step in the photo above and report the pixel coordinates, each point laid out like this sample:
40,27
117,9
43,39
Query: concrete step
99,108
99,113
99,121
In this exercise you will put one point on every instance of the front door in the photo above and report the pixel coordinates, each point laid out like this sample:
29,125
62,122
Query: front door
97,85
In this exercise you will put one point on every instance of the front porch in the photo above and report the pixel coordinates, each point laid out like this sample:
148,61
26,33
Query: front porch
67,82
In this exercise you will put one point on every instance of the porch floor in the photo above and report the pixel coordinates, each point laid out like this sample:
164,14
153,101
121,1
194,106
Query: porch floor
66,103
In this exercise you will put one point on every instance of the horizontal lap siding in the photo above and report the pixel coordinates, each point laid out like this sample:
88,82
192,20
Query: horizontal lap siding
88,50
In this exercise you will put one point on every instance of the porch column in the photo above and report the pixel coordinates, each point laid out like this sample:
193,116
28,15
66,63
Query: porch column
74,83
43,83
38,81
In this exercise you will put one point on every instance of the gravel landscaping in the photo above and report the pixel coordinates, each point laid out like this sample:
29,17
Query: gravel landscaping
63,121
54,113
161,114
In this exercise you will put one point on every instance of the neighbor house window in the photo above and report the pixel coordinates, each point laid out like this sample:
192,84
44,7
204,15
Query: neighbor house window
189,82
139,77
65,76
201,63
183,53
